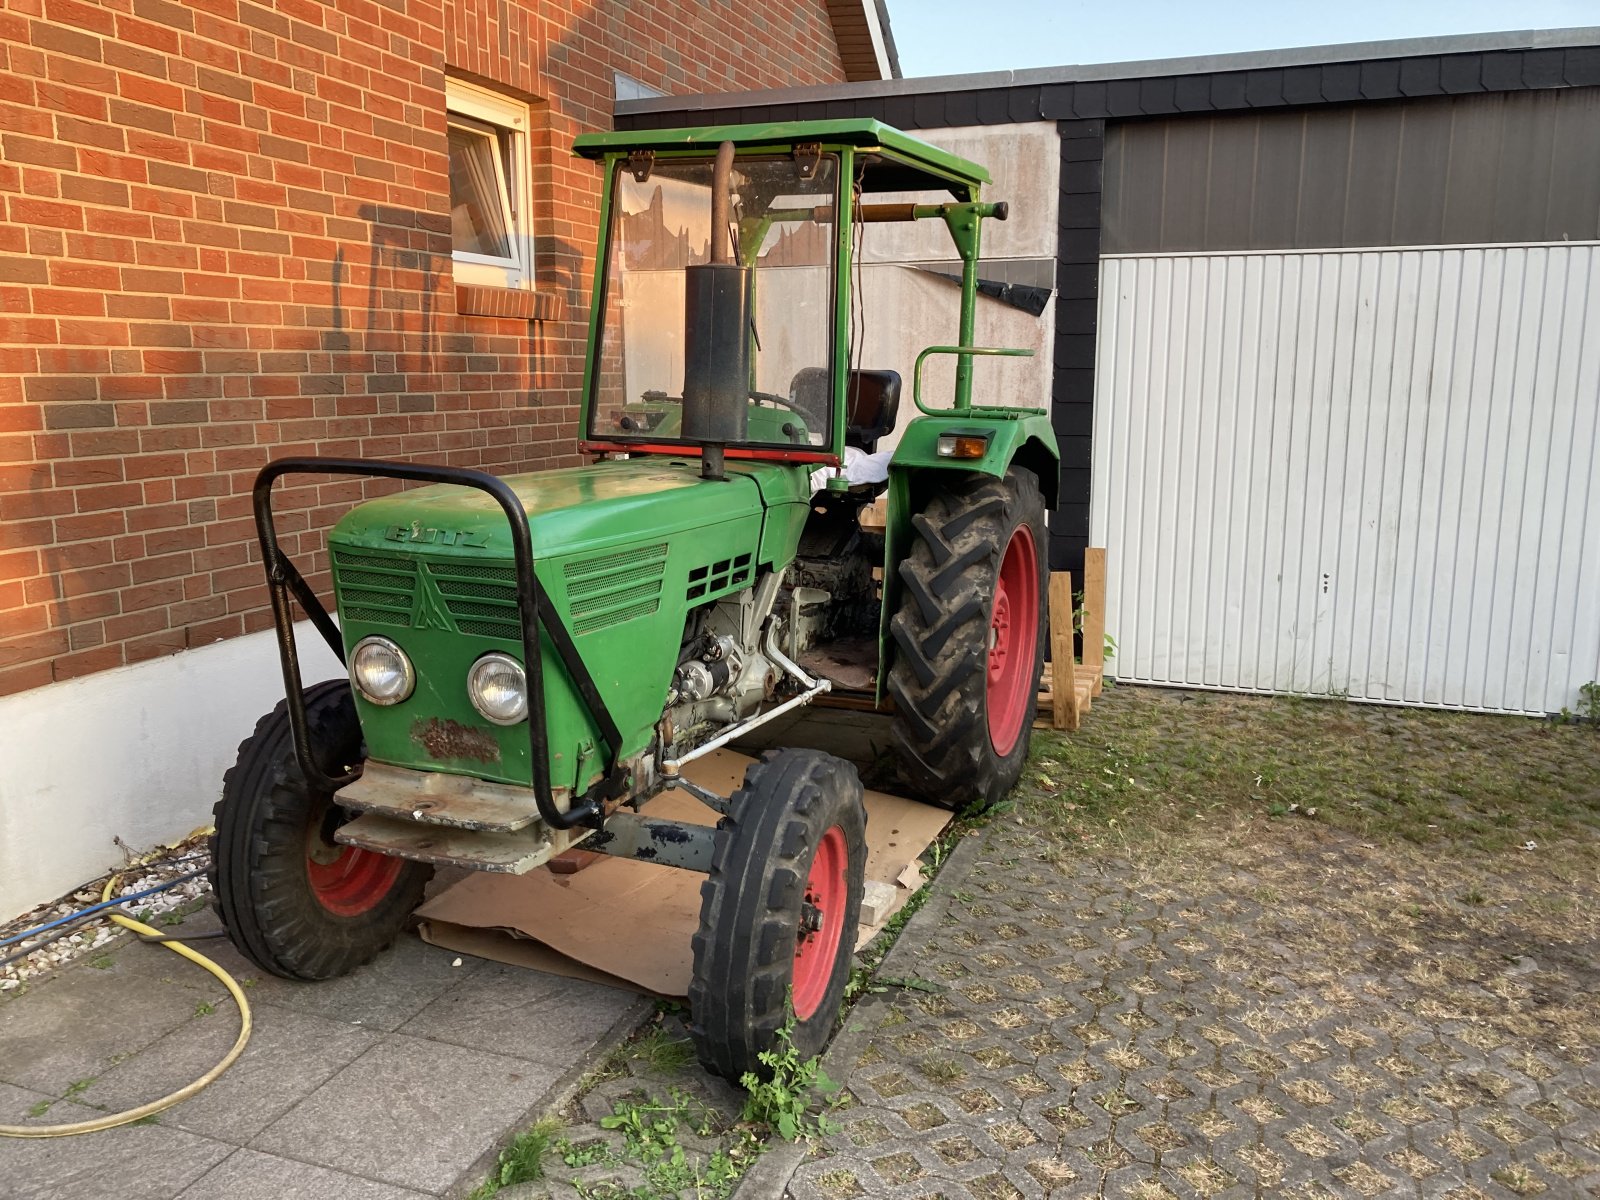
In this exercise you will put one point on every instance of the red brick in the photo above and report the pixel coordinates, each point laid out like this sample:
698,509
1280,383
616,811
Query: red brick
73,666
170,310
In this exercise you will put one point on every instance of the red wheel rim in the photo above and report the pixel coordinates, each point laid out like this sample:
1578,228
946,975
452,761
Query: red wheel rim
347,880
821,923
1013,636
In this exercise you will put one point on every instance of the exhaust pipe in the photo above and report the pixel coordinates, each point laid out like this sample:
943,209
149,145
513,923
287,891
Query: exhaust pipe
716,328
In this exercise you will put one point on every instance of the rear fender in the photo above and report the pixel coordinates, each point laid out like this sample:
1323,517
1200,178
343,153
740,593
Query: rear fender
917,470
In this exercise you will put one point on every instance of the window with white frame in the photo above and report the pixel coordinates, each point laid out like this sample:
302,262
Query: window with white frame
490,180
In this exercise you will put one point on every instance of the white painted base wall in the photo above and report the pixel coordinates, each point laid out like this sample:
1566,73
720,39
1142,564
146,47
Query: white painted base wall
1365,473
135,753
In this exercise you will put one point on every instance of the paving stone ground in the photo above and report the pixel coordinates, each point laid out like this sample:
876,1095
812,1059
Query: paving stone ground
1244,1005
1215,947
395,1081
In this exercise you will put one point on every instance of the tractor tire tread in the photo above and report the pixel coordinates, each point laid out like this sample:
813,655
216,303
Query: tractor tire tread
749,907
937,680
257,869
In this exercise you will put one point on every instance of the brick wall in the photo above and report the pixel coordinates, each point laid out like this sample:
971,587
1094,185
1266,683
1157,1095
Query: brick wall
225,238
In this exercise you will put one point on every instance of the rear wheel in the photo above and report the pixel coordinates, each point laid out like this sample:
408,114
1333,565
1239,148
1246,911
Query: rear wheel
778,912
294,901
969,640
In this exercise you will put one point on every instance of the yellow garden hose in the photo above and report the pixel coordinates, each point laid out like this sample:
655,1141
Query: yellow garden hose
112,1120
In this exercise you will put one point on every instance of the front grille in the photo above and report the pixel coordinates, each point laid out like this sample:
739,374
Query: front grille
377,589
481,600
608,589
381,589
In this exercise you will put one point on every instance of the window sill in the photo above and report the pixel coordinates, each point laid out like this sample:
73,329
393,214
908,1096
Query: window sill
477,300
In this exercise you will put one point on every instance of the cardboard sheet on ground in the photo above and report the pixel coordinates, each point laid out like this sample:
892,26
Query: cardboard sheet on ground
628,923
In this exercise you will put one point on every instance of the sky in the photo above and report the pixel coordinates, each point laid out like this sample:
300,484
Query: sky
953,37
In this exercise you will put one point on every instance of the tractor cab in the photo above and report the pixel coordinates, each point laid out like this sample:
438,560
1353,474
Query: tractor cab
728,317
532,658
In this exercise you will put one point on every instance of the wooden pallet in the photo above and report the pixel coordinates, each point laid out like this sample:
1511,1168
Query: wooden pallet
1069,687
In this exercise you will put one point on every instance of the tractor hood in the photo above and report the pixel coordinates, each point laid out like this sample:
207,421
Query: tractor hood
622,550
609,504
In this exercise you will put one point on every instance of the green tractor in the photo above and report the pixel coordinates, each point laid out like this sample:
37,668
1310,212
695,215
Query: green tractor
532,658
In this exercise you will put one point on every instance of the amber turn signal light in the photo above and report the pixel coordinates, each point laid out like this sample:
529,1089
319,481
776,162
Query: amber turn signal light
962,445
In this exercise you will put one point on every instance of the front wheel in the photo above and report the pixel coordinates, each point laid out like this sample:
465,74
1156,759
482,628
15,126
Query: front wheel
969,640
778,912
294,901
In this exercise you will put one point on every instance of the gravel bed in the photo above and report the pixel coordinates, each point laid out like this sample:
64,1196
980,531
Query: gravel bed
99,931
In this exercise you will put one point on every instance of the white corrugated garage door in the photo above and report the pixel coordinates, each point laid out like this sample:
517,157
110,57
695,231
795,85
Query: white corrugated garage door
1364,472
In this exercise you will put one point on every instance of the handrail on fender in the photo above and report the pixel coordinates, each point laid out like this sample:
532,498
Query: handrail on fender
990,351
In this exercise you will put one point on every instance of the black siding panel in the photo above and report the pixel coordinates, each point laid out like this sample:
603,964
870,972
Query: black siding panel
1074,350
1081,149
901,112
1089,100
1122,98
1380,79
1230,90
1341,82
1077,309
1077,280
1193,93
1581,66
994,107
1074,420
1055,101
1080,245
1542,69
1459,73
1502,70
1420,77
1302,85
1075,316
961,108
1263,89
1024,104
1158,97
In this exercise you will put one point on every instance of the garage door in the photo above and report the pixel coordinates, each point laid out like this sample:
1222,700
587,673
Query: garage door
1354,472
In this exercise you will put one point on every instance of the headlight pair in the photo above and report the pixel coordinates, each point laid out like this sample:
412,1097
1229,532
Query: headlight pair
497,685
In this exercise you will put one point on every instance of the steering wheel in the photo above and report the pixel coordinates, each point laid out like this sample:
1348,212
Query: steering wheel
780,401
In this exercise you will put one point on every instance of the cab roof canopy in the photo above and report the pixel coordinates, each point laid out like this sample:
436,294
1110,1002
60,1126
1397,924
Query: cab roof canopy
894,161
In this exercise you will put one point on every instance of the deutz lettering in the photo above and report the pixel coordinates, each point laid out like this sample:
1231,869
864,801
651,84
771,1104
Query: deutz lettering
435,537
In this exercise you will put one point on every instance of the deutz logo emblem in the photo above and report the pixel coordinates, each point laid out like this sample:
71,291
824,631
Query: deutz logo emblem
435,537
428,610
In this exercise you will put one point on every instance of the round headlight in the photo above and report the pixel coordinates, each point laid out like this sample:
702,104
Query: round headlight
381,671
498,688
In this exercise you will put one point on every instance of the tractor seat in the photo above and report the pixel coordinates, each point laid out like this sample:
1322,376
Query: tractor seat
872,402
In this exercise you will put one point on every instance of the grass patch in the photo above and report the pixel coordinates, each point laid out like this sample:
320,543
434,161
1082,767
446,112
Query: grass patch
522,1161
1432,850
658,1050
1153,764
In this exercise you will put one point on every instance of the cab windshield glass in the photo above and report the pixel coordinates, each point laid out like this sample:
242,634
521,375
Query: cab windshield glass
781,235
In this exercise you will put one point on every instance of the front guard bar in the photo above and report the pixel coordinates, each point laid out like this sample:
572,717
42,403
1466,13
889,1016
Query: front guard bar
533,607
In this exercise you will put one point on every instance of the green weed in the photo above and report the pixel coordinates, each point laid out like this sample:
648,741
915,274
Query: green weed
1589,701
522,1161
649,1129
783,1100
